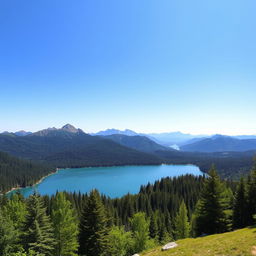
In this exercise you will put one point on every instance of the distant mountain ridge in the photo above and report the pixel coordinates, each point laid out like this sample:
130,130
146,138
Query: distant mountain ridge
166,139
221,143
108,132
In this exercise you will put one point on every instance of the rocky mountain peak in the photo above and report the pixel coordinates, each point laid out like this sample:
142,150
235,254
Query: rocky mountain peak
70,128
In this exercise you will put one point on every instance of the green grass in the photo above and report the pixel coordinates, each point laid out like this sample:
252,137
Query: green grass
237,243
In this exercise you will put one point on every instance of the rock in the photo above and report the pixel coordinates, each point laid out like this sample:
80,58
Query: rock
136,254
169,246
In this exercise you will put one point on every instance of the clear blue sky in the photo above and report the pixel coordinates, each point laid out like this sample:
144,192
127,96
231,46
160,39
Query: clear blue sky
151,66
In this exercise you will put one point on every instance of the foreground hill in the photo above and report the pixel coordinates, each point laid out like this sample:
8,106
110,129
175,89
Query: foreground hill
71,147
140,143
220,143
237,243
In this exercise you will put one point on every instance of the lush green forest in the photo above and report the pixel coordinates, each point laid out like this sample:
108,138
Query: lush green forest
17,172
94,225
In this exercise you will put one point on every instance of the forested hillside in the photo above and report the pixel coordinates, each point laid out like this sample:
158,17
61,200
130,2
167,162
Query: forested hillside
17,172
94,225
140,143
71,147
220,143
230,165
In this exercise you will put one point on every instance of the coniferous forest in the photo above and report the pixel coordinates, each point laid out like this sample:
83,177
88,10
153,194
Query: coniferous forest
15,172
94,225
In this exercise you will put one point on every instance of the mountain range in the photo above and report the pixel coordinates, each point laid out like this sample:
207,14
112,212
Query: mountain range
71,147
146,143
193,143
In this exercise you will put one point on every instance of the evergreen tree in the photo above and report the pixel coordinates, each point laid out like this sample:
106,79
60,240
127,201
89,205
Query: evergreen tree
163,236
93,227
210,215
65,226
153,227
16,210
37,229
252,195
240,210
181,222
8,236
140,231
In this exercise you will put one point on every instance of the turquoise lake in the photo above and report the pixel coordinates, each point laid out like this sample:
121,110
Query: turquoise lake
111,181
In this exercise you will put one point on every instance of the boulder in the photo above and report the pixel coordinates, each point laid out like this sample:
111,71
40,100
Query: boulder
169,246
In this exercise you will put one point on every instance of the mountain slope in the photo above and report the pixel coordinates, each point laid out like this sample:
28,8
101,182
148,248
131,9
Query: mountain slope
219,143
17,172
71,147
140,143
240,242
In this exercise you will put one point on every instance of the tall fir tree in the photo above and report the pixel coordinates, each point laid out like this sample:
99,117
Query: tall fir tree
251,194
37,229
16,210
153,227
210,215
65,226
93,237
181,222
8,236
240,208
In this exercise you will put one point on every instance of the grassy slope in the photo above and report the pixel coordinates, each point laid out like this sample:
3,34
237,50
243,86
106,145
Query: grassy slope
236,243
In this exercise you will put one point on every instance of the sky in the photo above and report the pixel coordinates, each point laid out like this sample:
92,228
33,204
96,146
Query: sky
145,65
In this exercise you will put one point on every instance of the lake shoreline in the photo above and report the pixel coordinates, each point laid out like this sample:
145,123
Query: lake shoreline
94,180
37,183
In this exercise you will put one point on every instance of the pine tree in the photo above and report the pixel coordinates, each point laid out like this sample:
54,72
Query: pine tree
8,236
252,195
181,222
16,210
153,227
93,227
163,236
65,226
240,209
37,229
210,215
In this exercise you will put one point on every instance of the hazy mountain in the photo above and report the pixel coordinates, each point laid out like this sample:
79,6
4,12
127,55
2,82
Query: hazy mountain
245,137
71,147
220,143
172,138
115,131
168,139
140,143
22,133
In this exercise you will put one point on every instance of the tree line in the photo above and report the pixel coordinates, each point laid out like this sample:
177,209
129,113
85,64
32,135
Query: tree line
70,224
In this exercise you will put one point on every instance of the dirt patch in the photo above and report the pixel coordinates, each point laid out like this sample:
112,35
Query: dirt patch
254,250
